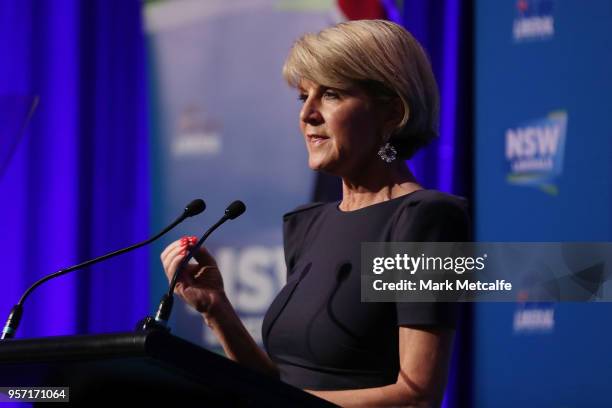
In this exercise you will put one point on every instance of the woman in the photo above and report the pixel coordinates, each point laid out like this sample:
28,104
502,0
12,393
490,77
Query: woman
369,101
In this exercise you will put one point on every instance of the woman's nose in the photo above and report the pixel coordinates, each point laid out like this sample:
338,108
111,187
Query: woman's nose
310,113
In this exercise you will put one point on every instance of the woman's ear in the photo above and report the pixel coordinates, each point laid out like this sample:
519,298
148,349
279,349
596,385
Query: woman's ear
392,115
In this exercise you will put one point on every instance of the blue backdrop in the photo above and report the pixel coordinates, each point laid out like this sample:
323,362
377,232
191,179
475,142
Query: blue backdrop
543,167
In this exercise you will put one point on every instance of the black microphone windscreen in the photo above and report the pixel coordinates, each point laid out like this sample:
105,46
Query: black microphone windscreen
194,208
235,209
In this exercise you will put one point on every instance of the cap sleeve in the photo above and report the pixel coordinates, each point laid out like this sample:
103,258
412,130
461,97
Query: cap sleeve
438,217
295,227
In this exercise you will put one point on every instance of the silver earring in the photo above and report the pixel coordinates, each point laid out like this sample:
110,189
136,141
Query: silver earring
387,152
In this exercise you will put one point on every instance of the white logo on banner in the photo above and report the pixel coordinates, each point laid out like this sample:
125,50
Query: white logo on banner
534,319
534,151
197,135
534,20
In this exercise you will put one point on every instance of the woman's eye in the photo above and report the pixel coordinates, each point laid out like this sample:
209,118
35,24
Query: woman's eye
302,97
331,94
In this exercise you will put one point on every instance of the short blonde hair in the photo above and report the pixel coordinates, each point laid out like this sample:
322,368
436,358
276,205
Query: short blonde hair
384,59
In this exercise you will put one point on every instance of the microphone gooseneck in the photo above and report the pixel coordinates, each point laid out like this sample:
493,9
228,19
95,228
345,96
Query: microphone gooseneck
12,323
164,310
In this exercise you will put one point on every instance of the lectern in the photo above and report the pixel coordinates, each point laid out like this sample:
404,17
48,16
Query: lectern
143,367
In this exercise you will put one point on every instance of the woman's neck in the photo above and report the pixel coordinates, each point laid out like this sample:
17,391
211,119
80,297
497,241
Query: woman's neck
381,182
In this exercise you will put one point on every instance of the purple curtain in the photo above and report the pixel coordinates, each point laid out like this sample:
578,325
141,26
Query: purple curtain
76,186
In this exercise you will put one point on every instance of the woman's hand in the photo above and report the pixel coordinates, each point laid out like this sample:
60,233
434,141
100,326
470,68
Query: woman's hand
200,285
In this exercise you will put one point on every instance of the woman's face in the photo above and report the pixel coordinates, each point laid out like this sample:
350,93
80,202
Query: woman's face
342,128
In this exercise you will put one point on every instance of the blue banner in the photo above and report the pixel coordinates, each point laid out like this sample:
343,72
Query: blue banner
543,173
226,128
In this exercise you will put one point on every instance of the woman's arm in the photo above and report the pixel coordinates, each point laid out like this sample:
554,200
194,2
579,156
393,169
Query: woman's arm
201,286
424,360
236,341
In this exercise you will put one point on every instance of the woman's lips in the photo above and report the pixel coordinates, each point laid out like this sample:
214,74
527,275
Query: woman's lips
317,139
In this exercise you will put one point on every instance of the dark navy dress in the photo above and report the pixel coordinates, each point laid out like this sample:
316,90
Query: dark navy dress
317,330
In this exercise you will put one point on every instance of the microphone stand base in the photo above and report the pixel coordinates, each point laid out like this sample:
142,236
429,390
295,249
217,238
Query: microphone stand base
150,324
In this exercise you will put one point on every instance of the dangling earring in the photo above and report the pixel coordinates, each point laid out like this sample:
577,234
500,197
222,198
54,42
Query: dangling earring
387,152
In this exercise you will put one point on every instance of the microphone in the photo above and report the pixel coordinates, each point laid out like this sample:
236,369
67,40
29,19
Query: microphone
160,321
235,210
12,323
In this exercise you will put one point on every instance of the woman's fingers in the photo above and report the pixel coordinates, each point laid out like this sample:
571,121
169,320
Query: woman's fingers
193,296
177,248
204,257
166,252
174,254
178,289
183,243
185,275
195,280
171,260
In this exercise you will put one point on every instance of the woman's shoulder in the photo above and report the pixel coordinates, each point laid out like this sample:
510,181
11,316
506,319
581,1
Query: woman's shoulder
296,226
425,199
299,221
429,202
435,199
431,215
305,210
